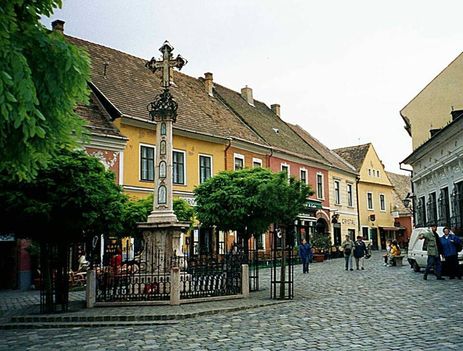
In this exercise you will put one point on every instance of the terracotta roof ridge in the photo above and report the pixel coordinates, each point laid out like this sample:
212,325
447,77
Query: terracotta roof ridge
352,147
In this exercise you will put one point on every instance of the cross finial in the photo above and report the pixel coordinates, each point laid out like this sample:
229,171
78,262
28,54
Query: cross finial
166,63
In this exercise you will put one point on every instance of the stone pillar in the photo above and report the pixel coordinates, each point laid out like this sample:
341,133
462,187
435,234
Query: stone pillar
91,288
245,280
175,286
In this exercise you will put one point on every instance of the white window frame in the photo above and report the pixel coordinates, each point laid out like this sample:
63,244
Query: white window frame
256,160
306,175
372,202
350,197
139,161
337,195
287,166
238,156
322,195
184,167
380,207
199,165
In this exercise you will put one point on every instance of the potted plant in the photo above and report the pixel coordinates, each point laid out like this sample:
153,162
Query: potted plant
321,243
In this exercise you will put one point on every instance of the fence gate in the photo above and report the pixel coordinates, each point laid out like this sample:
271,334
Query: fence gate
282,271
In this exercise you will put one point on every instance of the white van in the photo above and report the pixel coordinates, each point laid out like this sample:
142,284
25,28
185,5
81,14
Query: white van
417,253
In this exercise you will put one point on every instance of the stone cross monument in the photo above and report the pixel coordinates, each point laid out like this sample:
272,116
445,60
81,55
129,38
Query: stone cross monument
162,230
163,110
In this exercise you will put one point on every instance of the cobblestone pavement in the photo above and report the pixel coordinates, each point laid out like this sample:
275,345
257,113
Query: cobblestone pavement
380,308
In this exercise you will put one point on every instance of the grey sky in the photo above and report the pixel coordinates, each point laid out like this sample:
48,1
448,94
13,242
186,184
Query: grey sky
340,69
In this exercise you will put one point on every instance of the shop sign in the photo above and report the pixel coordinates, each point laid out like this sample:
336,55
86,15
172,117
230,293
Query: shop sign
313,205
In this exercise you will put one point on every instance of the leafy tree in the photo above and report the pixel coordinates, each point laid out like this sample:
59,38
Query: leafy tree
72,199
249,200
42,79
183,210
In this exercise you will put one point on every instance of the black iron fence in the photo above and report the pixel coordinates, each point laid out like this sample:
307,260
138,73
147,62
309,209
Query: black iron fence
128,273
282,271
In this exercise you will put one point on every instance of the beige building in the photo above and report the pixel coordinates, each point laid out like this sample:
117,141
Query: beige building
432,108
374,194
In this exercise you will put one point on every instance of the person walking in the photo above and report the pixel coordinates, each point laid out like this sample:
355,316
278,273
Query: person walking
449,242
305,252
360,250
347,246
434,249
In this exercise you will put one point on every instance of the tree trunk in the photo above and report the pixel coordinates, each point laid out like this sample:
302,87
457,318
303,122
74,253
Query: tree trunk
283,264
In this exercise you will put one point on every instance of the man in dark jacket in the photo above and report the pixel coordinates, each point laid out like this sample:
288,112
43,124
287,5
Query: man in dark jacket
360,250
305,251
449,244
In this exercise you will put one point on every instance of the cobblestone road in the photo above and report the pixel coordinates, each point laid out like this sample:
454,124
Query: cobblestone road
379,308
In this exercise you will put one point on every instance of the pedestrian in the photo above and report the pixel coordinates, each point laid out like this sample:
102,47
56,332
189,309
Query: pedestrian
434,249
305,252
360,250
449,242
347,246
388,253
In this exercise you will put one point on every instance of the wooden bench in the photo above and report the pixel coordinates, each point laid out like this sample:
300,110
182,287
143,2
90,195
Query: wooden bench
398,260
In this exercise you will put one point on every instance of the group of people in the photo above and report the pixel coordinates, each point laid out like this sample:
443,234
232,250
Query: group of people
439,248
357,249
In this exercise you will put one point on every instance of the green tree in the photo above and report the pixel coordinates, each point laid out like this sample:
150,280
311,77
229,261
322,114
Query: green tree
42,79
71,200
249,200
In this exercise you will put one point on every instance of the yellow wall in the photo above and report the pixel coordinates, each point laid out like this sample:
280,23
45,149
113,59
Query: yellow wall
431,108
192,148
370,182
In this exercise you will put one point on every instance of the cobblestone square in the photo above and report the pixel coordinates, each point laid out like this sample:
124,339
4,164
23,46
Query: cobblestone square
380,308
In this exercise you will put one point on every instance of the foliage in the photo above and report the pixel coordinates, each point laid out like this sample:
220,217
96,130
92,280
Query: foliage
183,210
320,241
71,199
249,200
137,211
42,78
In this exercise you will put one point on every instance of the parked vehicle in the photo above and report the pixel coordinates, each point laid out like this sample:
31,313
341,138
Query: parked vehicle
417,252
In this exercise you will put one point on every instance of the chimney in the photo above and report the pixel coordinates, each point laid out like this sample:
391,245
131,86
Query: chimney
208,83
57,26
246,94
276,109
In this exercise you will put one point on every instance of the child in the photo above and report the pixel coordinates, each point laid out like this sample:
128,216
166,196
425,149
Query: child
388,252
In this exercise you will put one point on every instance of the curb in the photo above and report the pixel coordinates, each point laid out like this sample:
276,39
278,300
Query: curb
41,322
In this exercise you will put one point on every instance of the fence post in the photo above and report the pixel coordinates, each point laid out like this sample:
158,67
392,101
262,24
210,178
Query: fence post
91,288
245,280
175,286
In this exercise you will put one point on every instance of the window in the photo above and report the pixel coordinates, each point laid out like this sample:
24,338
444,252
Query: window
285,168
432,209
256,162
303,176
260,241
370,201
178,160
369,171
205,168
350,199
239,162
365,233
337,194
320,186
382,202
444,208
146,163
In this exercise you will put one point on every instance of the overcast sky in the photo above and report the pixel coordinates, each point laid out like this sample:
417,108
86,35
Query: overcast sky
340,69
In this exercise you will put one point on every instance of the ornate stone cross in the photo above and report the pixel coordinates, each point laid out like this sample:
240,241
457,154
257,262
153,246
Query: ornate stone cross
163,110
166,63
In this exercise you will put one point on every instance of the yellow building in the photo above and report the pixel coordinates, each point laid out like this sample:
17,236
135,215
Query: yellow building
374,194
431,108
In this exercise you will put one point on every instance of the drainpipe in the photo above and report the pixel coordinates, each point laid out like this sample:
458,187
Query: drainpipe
269,157
358,206
225,152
